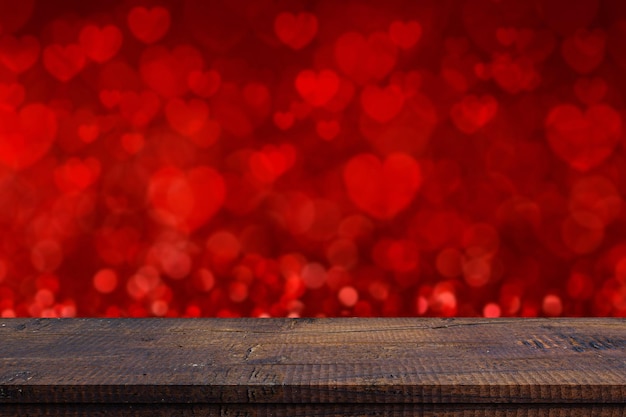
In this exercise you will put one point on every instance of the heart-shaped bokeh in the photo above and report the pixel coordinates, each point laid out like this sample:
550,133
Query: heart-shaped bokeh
382,188
26,135
312,158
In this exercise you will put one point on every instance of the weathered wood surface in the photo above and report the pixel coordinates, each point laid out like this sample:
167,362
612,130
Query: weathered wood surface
311,410
399,364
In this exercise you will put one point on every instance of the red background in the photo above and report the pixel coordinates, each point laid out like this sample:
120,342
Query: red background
312,158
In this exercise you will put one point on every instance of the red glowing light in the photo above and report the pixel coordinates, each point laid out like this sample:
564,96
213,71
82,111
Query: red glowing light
105,280
321,159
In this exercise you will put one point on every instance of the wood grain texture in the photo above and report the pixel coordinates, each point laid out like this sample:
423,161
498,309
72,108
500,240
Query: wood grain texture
401,362
311,410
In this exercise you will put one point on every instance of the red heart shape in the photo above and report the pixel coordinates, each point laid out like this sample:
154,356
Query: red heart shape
382,104
110,98
284,120
25,137
187,118
473,112
365,60
317,88
482,71
132,142
382,189
506,36
271,162
583,140
327,130
88,132
204,84
584,50
19,55
149,25
405,35
514,75
76,175
100,45
63,62
186,199
207,135
295,31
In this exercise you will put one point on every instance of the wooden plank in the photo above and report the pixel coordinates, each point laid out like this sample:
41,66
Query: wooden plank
313,361
311,410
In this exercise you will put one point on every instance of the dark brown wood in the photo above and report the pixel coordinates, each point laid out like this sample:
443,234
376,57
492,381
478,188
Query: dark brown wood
241,367
311,410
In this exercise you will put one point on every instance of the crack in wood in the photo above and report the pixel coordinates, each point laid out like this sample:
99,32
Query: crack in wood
574,342
250,351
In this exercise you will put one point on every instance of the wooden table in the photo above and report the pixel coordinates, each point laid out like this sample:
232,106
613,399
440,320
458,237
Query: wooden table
313,367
